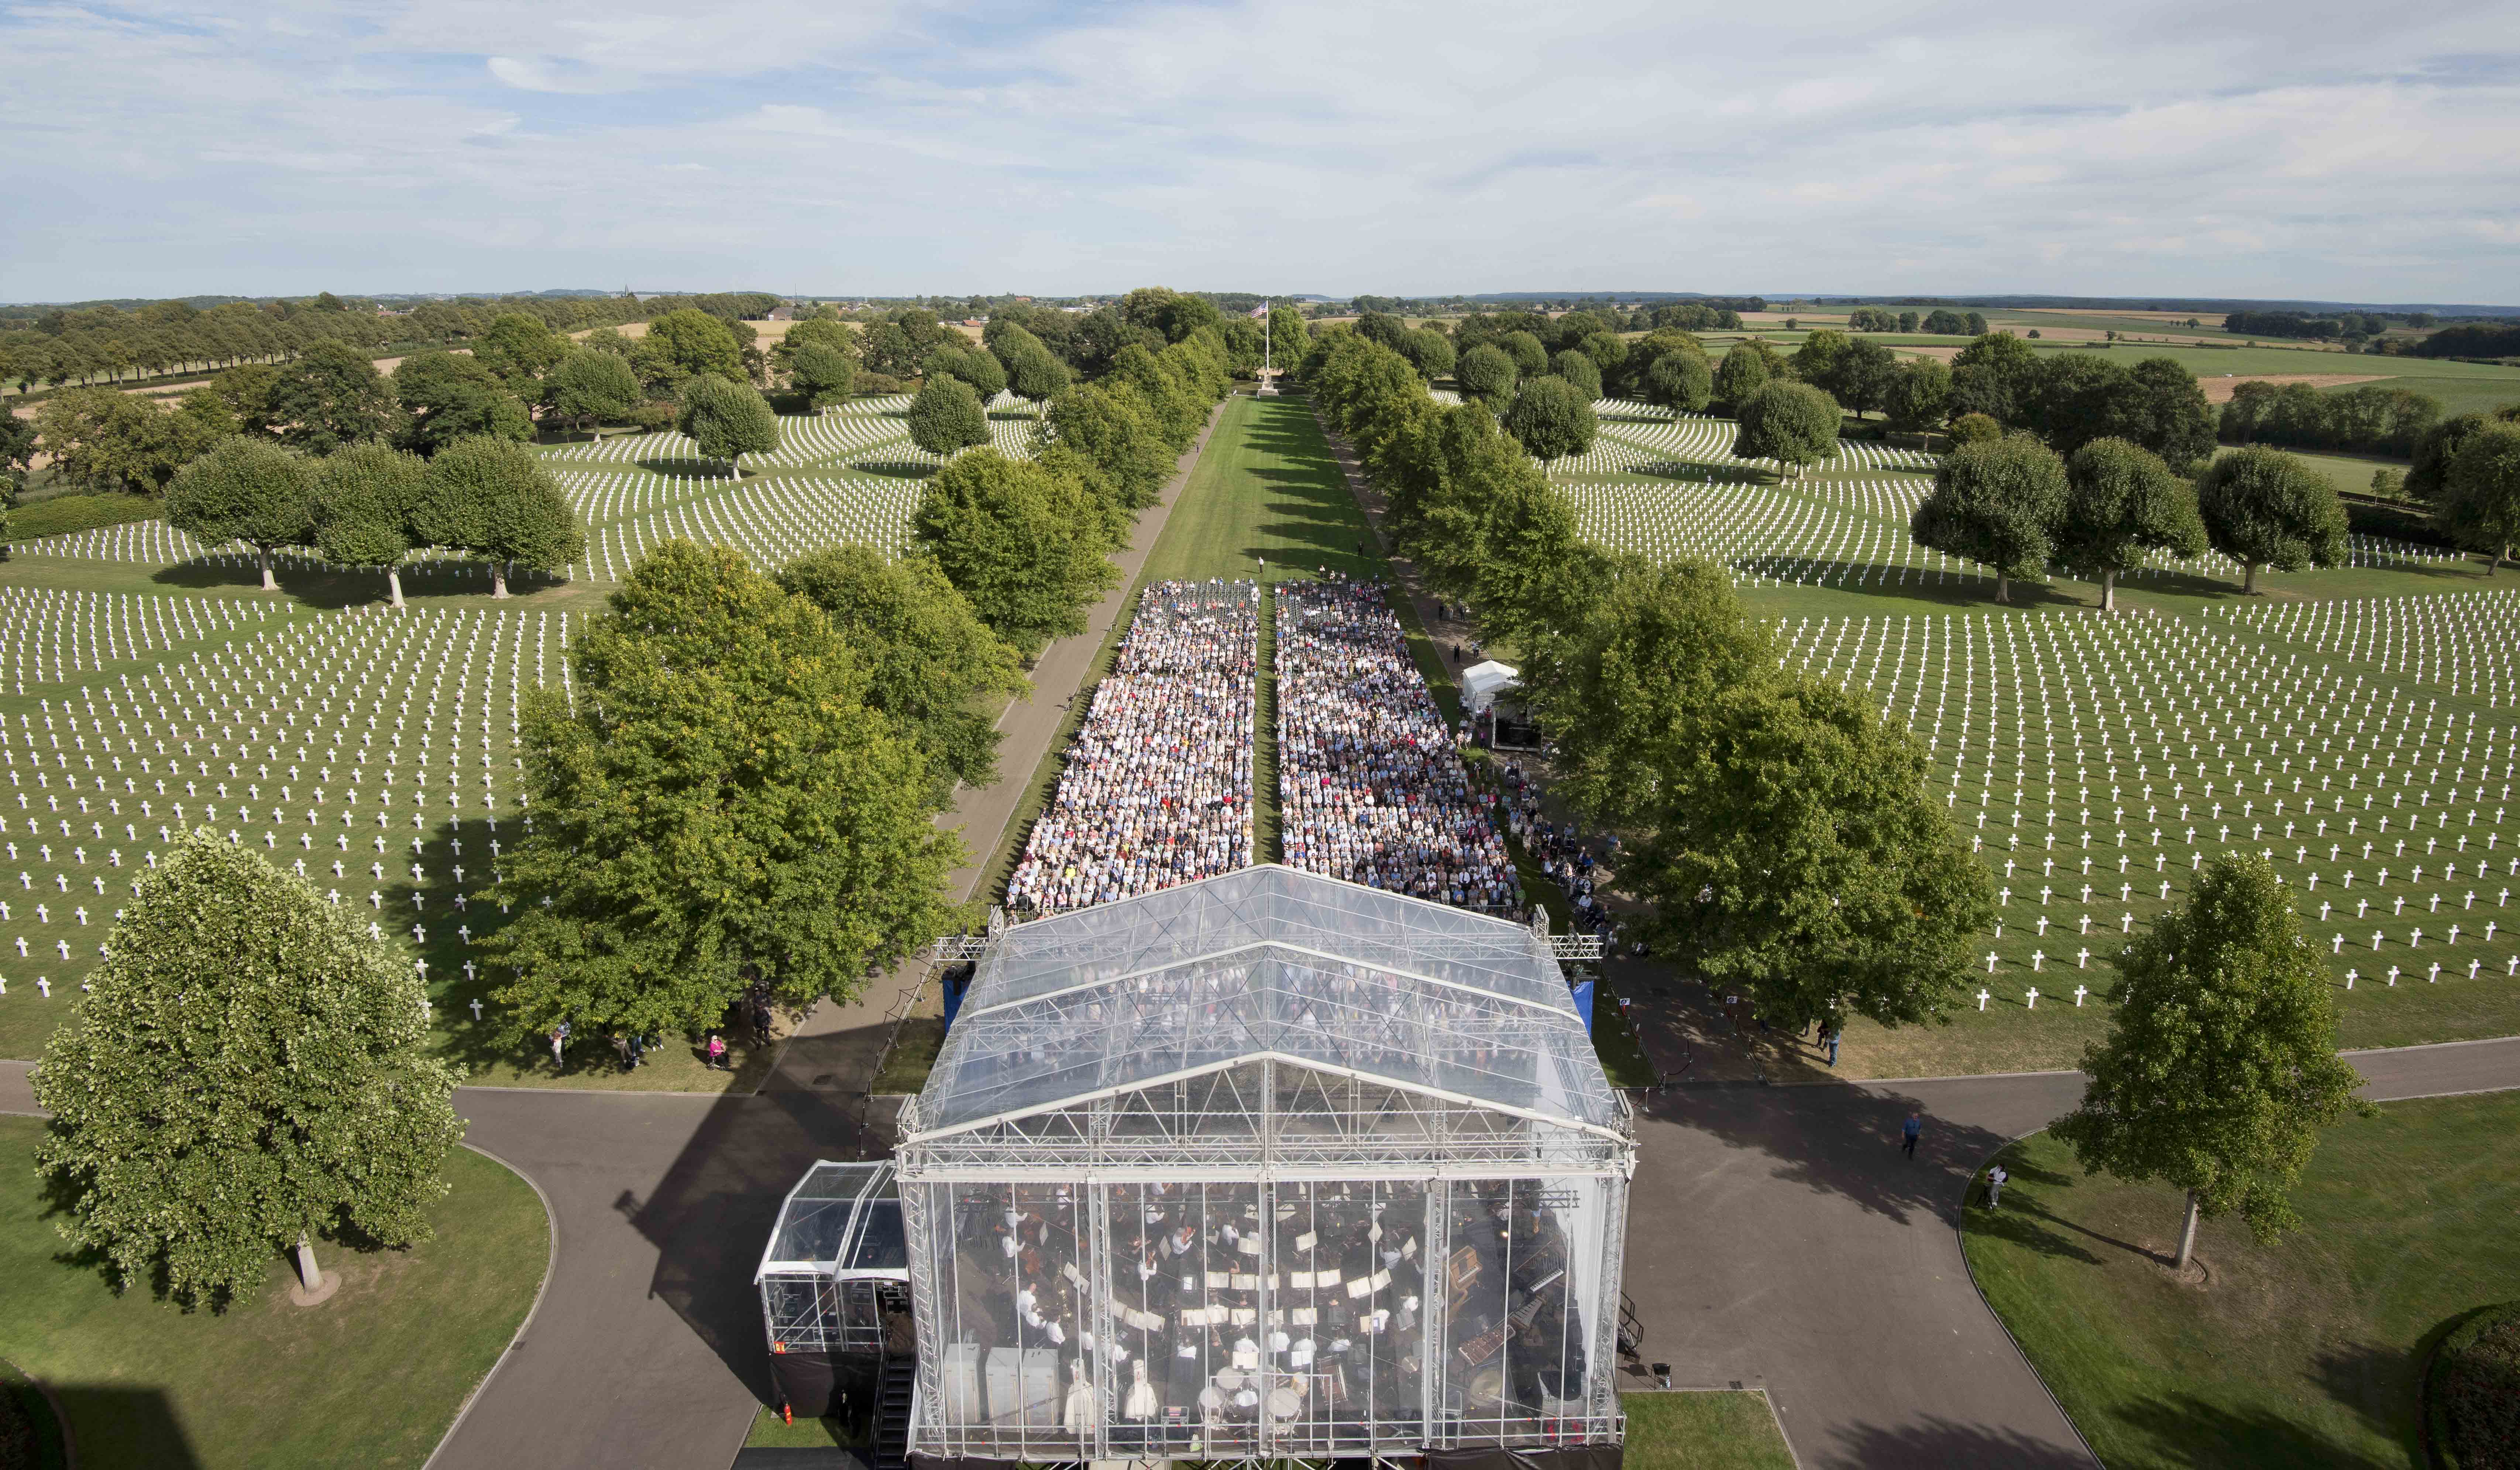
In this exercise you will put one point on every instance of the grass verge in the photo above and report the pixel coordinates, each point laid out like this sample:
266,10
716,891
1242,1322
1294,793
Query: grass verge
1704,1431
371,1378
2304,1353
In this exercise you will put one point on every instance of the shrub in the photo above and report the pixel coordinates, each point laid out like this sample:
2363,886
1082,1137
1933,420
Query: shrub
64,514
2472,1391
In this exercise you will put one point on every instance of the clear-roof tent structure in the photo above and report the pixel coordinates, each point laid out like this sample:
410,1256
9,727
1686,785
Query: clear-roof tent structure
1268,1164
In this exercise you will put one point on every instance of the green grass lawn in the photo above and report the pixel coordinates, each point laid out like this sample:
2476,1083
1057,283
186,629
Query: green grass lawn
1704,1431
2305,1353
372,1378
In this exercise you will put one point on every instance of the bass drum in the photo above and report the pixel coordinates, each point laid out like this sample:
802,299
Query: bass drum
1484,1393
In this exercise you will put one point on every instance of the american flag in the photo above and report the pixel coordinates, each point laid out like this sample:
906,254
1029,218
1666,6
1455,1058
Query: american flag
1260,311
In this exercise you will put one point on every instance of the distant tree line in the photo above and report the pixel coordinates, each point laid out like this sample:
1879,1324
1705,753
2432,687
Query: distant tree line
55,346
2347,327
2367,420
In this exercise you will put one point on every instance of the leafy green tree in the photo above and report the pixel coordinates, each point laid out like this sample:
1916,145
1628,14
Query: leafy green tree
1906,320
589,389
822,374
1917,394
446,396
1581,370
2221,1066
103,437
1816,361
717,807
1995,374
17,451
931,662
2480,506
1607,349
1975,428
1110,425
521,350
1793,853
247,490
2122,502
248,1074
1487,375
1944,322
1745,371
2264,508
1025,545
2429,475
1530,356
1168,399
946,418
971,365
1552,419
367,499
248,393
1430,353
2163,409
1999,501
1862,375
726,420
496,499
688,343
1791,423
1617,692
1032,370
1680,380
332,395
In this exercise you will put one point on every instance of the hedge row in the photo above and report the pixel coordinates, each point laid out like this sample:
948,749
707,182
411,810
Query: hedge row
2472,1393
62,513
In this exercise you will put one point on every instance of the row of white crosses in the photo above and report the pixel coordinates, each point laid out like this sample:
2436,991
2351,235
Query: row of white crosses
345,745
2460,641
1766,535
2162,740
1708,442
772,520
48,633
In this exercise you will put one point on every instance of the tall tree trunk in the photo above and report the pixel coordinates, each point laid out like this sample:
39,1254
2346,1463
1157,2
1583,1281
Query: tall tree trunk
2249,579
394,580
262,554
2108,590
498,579
2003,588
2187,1234
307,1274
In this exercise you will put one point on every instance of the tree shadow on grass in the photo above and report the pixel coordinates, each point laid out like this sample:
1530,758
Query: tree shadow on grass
2185,1429
1939,1444
116,1424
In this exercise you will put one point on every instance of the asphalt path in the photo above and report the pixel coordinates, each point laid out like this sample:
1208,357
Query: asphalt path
1776,1237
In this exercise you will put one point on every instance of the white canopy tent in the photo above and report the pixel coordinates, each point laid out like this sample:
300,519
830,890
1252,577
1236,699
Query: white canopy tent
1481,683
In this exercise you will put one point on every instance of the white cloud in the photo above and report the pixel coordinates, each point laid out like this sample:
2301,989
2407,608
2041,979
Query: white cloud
1478,145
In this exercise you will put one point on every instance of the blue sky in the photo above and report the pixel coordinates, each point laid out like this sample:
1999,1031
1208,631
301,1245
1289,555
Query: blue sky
2311,150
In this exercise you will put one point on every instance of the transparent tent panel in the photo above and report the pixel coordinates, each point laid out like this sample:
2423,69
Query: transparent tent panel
1209,1319
1269,1165
1203,975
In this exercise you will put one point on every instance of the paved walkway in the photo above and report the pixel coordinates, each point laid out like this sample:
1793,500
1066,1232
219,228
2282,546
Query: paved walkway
838,1047
1778,1237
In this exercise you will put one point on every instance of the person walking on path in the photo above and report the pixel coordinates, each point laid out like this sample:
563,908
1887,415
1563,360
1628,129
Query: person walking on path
1995,1177
1911,1130
621,1048
1832,1046
560,1045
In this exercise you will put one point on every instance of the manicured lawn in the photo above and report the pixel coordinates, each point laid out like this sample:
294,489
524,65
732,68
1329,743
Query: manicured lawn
2305,1353
371,1378
1704,1431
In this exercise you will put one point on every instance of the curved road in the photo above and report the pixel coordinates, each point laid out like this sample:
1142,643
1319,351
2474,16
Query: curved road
1776,1237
